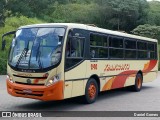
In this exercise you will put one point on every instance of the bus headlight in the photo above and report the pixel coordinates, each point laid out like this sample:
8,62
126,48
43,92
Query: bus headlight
55,79
10,79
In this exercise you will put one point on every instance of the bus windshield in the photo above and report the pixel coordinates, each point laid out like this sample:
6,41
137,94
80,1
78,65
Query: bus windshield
36,48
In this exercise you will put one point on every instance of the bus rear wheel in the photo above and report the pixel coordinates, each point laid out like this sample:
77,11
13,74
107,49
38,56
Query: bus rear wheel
91,91
138,83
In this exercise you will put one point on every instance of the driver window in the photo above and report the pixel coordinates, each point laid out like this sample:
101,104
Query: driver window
74,51
74,48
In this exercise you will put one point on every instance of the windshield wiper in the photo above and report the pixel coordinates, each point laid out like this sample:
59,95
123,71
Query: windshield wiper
38,55
23,54
39,60
37,51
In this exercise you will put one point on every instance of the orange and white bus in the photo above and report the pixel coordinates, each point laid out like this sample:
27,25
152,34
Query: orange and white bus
63,60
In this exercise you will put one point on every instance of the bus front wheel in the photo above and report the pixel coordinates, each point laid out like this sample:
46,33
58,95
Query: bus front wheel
91,91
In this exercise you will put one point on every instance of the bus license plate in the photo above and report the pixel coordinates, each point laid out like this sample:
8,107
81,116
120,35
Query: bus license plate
27,91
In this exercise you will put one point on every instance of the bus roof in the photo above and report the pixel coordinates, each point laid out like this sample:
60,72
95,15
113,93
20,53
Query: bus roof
91,28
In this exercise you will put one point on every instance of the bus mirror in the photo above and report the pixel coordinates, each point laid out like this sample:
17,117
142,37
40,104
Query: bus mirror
60,38
4,41
3,44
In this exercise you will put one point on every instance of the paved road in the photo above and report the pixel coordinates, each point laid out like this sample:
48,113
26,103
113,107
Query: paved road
118,100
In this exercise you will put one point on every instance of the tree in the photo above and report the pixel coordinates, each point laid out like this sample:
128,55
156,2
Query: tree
77,13
29,8
154,13
2,12
124,14
148,31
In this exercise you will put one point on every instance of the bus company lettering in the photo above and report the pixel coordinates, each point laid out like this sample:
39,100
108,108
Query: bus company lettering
117,67
24,74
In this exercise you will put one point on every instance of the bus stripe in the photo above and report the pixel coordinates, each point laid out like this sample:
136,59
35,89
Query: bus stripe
119,81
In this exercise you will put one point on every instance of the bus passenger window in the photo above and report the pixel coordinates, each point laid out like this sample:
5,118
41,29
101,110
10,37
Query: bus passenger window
151,50
149,54
130,49
142,50
93,52
116,47
98,46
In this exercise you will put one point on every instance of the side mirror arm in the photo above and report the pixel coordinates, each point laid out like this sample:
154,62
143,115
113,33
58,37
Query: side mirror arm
4,41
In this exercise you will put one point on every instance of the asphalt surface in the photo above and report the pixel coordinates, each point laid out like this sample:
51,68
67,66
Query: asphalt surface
148,99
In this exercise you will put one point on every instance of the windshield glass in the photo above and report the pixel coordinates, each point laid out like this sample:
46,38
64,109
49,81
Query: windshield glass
35,48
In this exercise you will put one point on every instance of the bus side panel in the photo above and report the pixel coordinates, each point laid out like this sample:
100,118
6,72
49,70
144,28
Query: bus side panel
113,73
68,89
107,85
120,73
96,68
76,78
149,77
78,89
130,81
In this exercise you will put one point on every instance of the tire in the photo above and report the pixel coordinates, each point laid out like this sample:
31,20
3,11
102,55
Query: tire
91,91
138,83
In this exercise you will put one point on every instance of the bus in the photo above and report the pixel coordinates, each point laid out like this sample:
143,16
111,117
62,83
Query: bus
56,61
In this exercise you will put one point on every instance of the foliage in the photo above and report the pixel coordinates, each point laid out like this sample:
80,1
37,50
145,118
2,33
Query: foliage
148,31
77,13
154,13
123,15
2,12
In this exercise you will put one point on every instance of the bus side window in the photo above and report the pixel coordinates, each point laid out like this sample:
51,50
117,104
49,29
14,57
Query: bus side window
74,51
151,50
149,55
98,46
74,48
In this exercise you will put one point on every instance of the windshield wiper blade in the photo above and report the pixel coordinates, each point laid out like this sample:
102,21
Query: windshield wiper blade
39,60
38,55
37,51
21,56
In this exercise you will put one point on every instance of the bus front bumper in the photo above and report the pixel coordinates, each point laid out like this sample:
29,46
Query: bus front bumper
45,93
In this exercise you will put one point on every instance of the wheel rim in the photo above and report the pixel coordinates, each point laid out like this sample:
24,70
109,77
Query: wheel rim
139,83
92,91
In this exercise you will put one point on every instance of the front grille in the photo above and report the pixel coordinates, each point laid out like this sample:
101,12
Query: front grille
30,77
28,83
39,95
34,93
